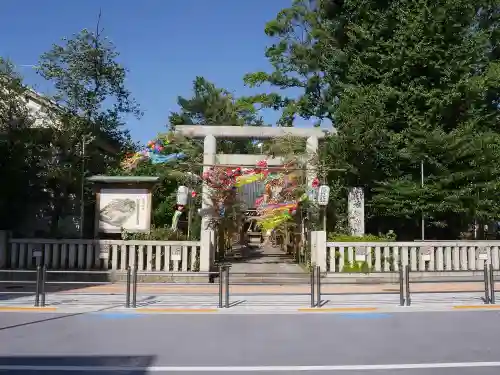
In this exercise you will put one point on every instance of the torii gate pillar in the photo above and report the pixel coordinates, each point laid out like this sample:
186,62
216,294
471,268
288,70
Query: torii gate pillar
207,248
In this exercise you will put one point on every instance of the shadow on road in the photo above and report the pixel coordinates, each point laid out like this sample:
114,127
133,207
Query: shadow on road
124,365
50,318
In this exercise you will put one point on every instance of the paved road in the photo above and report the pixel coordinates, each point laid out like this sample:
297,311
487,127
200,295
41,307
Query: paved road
418,343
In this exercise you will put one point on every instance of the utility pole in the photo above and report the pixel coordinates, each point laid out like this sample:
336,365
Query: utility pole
82,188
422,185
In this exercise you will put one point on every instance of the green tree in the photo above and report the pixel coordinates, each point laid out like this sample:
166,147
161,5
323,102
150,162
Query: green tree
211,105
298,60
403,82
92,104
420,81
22,151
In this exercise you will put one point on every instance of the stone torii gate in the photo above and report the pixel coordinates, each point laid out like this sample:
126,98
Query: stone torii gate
210,158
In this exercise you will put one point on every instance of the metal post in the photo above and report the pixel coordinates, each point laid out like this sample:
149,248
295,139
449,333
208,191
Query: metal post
401,285
486,284
492,285
42,284
226,282
134,288
318,286
313,281
129,277
38,286
221,284
407,279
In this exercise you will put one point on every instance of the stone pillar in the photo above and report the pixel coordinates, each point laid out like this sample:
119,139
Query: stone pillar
356,211
311,174
207,237
318,248
311,150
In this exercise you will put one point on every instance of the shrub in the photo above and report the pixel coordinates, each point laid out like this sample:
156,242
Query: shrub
359,267
340,237
155,234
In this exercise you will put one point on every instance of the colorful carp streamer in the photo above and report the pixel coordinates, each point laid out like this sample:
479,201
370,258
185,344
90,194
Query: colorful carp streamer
228,179
278,203
152,152
276,206
270,216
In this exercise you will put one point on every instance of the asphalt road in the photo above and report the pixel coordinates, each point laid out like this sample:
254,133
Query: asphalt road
409,343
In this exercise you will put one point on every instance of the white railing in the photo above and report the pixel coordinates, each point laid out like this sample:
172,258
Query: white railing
385,256
175,256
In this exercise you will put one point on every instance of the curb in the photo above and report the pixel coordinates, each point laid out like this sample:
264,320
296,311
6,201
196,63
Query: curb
338,309
476,307
174,310
26,308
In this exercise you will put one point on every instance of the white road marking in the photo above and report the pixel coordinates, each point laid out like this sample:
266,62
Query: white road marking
409,366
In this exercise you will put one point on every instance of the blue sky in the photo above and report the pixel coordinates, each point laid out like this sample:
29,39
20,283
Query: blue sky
164,44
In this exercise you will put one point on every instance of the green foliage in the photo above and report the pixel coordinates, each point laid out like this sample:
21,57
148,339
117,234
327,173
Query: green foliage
23,150
211,105
297,58
77,132
337,237
357,267
89,81
403,83
89,103
429,104
155,234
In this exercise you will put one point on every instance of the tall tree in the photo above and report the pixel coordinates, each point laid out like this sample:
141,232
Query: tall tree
93,103
22,151
420,82
401,80
211,105
298,60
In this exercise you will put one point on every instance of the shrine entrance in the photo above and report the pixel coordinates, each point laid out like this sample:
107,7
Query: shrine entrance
250,250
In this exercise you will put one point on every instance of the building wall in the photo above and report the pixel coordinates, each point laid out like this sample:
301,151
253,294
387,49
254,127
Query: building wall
38,111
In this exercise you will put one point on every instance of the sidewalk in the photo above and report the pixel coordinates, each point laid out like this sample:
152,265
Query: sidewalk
240,303
387,288
248,295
